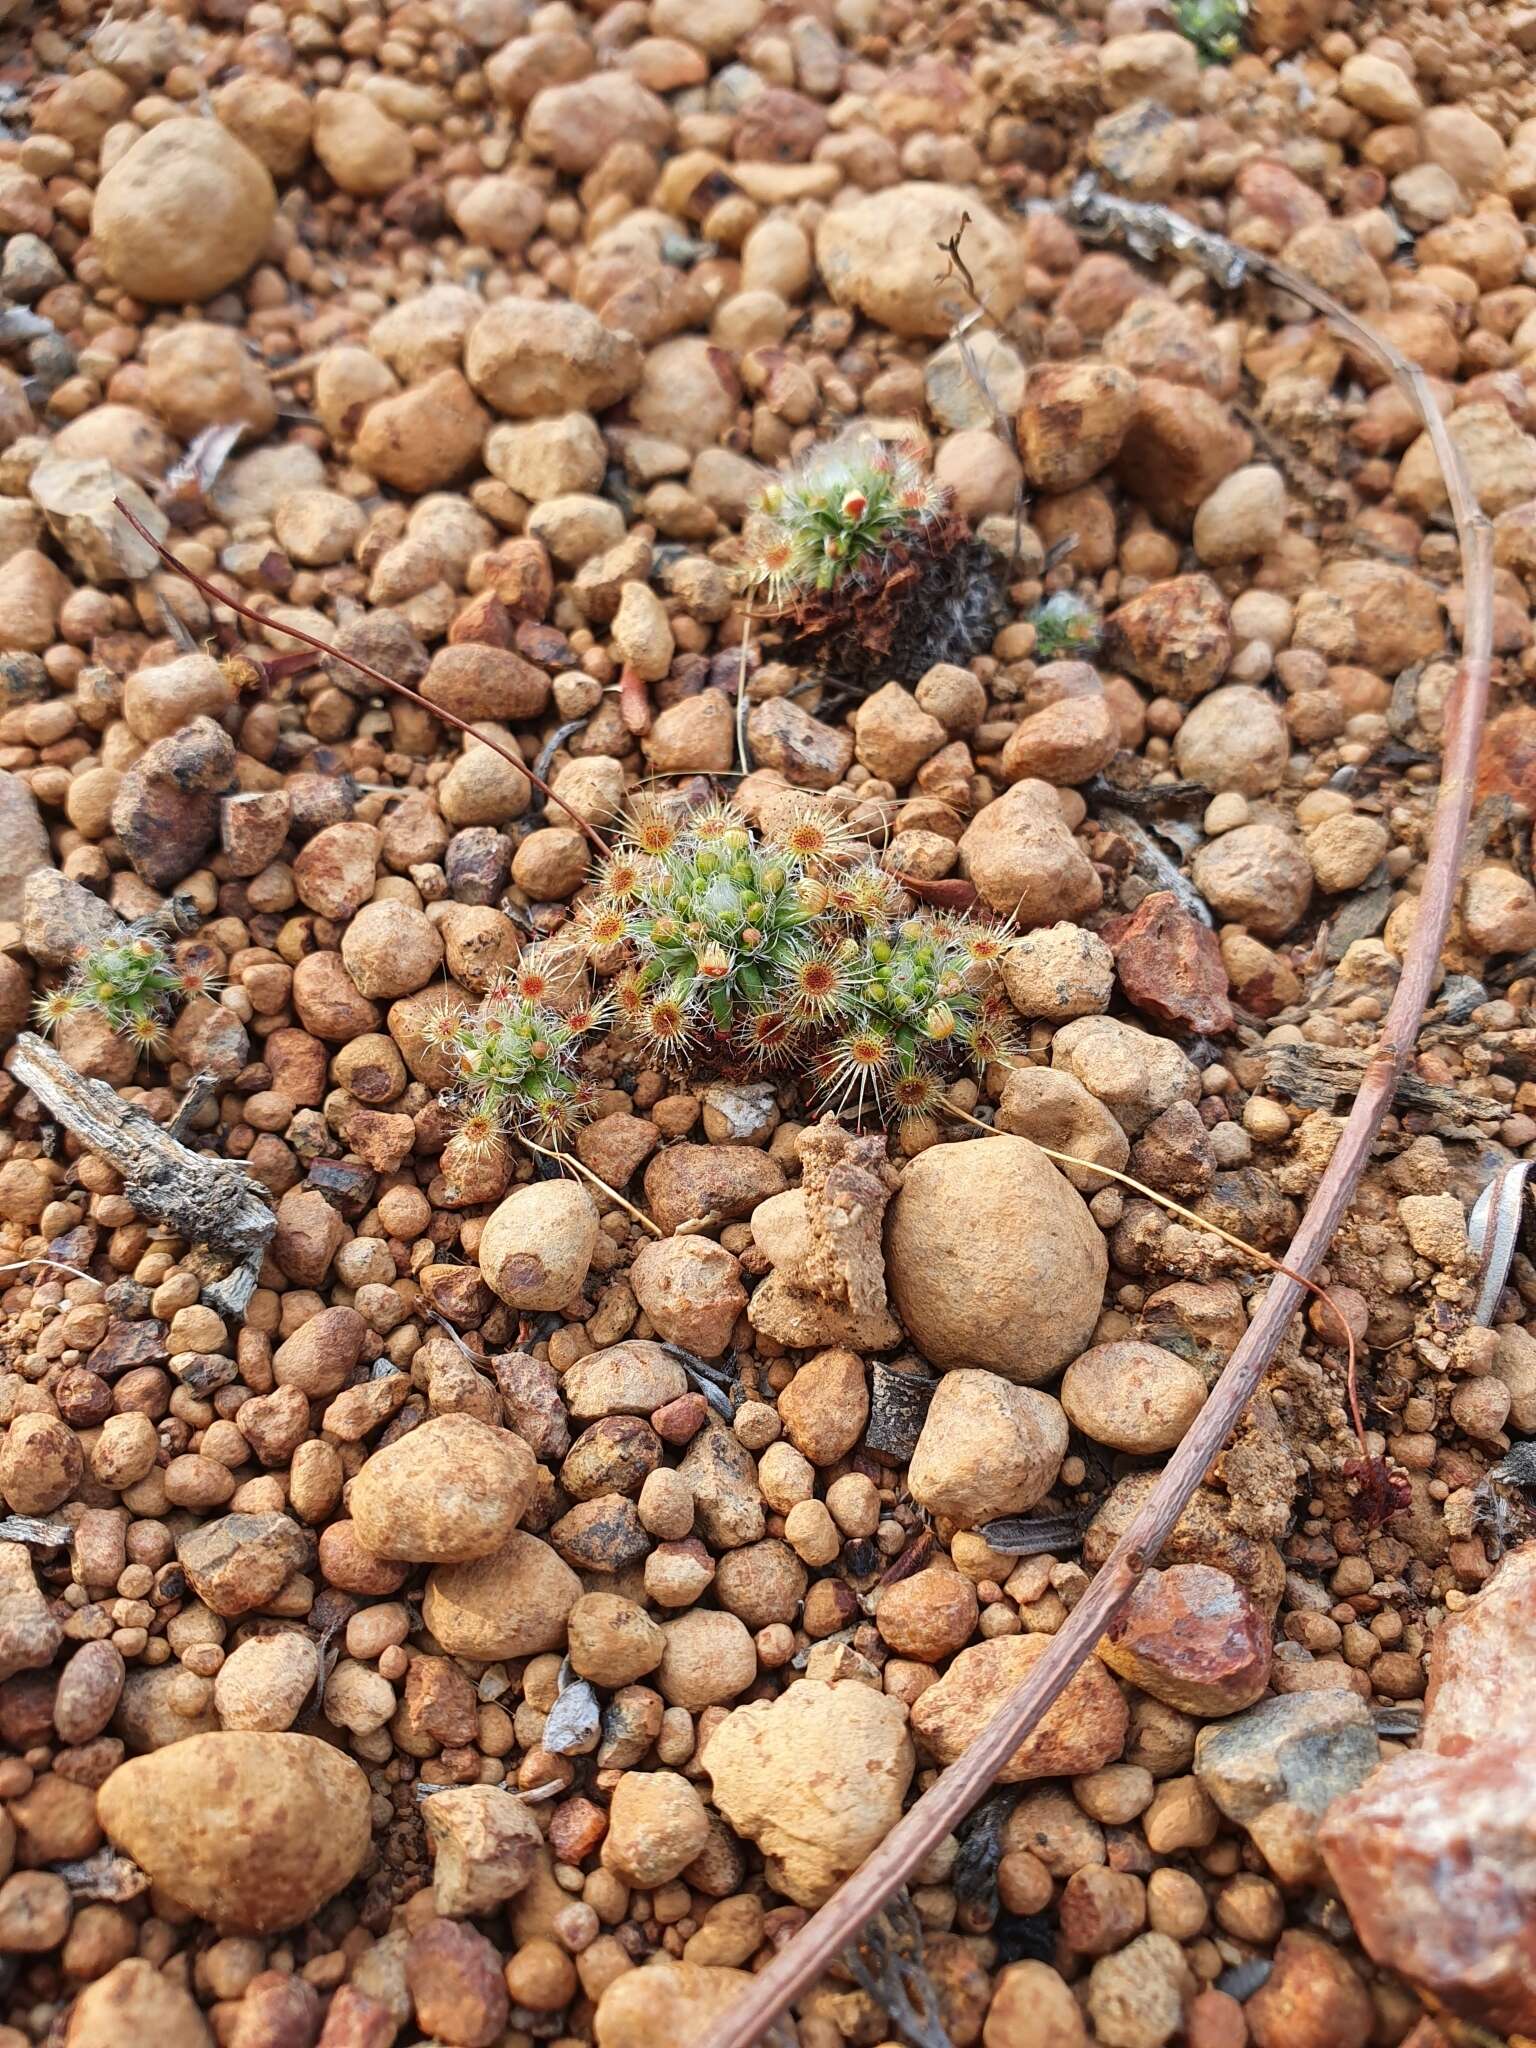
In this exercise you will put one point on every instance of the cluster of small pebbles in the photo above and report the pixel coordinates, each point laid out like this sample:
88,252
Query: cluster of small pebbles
519,1621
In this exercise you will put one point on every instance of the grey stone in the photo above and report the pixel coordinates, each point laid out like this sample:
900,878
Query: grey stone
1276,1769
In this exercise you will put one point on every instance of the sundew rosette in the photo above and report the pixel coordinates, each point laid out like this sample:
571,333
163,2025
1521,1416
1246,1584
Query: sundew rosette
515,1061
791,945
860,556
132,983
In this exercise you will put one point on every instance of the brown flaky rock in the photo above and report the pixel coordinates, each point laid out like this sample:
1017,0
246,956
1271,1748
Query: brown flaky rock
451,1490
815,1777
252,1832
847,1183
994,1260
1083,1731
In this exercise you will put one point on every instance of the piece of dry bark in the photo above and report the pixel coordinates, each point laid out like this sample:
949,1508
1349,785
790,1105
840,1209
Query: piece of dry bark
207,1201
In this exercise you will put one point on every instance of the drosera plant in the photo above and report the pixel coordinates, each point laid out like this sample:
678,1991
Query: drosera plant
131,982
860,555
517,1076
721,934
1067,628
1215,27
791,945
923,1003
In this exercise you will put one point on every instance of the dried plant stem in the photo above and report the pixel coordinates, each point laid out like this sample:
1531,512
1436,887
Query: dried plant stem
215,596
577,1166
801,1961
1251,1251
743,759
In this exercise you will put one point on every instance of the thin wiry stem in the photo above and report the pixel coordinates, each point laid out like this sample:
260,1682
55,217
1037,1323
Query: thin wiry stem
215,596
578,1166
803,1958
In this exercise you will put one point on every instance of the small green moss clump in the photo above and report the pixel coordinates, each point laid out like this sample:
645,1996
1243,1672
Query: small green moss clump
131,982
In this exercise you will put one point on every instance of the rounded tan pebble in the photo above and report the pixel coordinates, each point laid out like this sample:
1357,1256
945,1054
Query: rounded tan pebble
812,1533
551,863
815,1777
1234,739
1032,2008
611,1640
199,374
1084,1730
264,1683
665,2001
513,1603
357,1697
1244,516
251,1832
182,213
1132,1396
390,949
537,1245
426,437
133,2002
317,528
449,1491
41,1463
993,1259
364,151
89,1688
1059,972
709,1658
929,1615
1345,851
124,1451
874,253
657,1824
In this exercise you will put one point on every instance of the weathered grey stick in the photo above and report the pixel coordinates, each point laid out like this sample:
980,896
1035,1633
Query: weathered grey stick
206,1201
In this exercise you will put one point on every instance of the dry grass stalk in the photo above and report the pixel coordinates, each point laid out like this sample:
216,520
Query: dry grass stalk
1152,230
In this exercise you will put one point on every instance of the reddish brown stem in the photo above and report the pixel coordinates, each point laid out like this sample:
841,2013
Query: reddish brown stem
216,596
799,1964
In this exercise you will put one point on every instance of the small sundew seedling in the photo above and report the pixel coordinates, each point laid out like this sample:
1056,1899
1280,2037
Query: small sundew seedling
131,982
1066,629
1215,27
516,1061
922,1004
861,555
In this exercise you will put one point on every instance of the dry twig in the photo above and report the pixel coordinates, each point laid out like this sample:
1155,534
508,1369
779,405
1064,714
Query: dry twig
1154,231
205,1200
